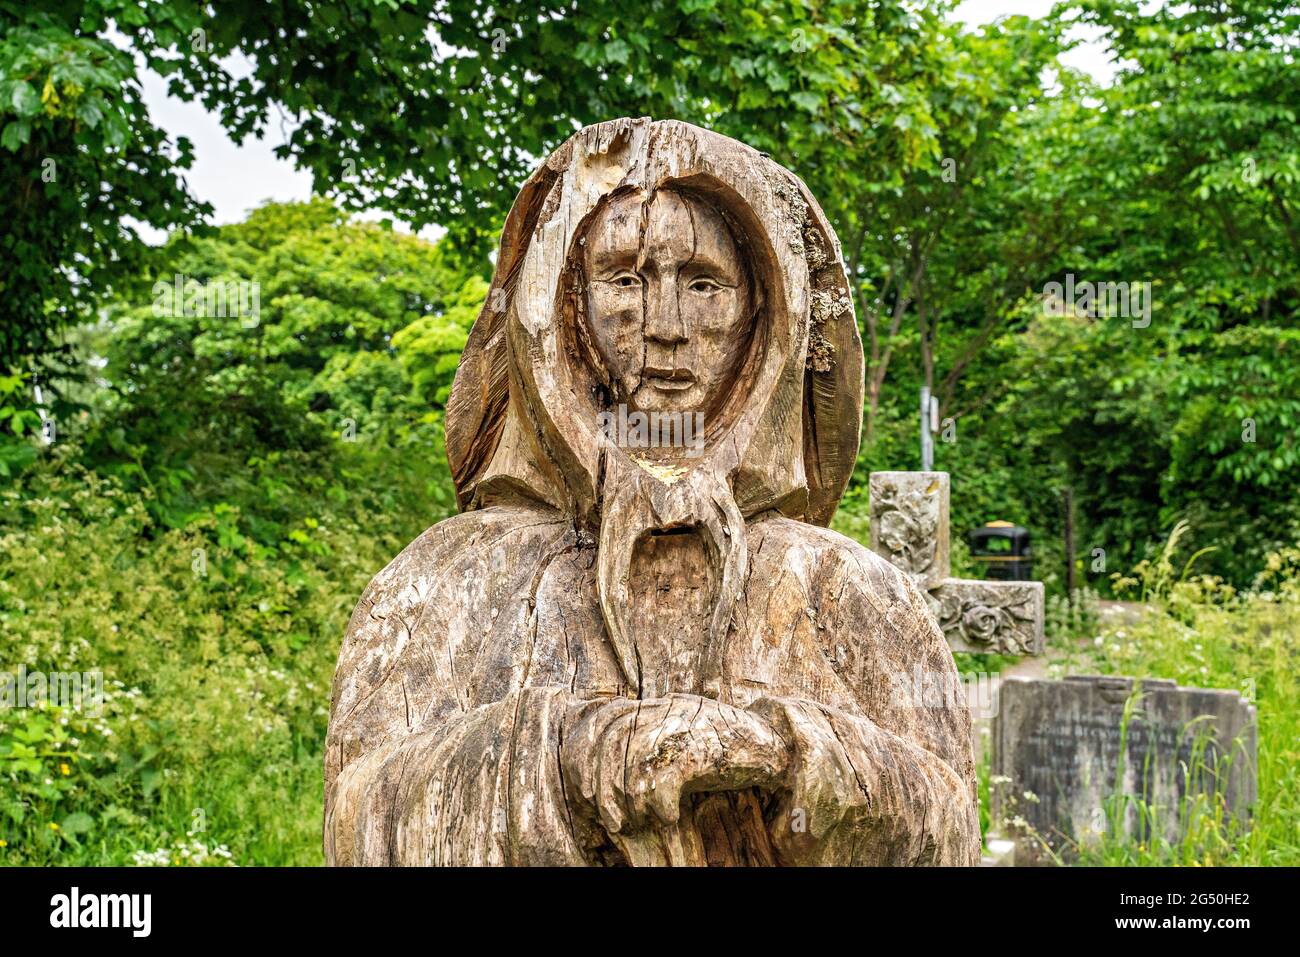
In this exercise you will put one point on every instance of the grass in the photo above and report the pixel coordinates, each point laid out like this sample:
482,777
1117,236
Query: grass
217,649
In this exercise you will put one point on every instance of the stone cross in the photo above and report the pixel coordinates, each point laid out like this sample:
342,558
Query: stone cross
909,526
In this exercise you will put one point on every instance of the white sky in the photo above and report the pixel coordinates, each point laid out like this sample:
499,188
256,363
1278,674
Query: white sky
1090,57
235,178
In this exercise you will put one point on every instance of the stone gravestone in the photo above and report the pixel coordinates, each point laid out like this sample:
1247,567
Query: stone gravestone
909,526
1067,766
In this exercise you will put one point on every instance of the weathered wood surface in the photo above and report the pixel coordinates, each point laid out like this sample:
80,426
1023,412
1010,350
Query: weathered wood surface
653,656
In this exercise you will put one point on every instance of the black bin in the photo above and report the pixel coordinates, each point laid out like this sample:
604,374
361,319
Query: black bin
1002,549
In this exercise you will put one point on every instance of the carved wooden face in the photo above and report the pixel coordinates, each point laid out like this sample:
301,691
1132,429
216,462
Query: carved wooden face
668,301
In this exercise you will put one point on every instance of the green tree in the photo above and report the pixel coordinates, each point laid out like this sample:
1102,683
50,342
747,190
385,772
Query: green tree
323,330
1180,175
432,112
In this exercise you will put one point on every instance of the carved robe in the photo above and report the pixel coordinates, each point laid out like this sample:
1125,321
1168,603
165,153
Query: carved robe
584,589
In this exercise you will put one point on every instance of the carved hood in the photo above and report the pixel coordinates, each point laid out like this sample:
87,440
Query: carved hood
522,419
792,443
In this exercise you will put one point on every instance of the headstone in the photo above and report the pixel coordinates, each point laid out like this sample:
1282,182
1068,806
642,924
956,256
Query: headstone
909,526
909,523
1076,758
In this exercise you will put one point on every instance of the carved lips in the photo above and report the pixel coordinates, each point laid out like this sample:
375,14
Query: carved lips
670,380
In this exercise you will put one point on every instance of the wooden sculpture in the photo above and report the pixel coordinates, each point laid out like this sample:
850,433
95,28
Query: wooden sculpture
641,645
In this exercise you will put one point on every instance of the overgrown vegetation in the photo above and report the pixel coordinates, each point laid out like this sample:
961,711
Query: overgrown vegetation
200,531
193,499
1202,632
216,640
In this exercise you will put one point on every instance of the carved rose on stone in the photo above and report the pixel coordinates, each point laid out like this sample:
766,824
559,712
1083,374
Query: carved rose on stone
980,624
994,618
908,524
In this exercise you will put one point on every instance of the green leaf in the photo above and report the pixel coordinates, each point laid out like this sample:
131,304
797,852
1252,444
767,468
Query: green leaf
25,100
16,134
807,101
77,823
617,51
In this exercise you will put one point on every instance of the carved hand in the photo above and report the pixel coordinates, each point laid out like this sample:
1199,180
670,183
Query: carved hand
634,761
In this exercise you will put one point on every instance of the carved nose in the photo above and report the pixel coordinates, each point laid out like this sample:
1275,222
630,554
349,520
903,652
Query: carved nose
663,316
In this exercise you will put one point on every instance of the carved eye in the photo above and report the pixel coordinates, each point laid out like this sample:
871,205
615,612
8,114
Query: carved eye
626,280
703,285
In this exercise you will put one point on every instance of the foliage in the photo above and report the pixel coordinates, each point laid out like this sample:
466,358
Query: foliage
433,112
207,478
200,536
1071,616
82,160
190,387
1180,175
216,644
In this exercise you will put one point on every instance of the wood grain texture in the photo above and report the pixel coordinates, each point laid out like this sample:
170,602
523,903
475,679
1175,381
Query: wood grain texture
615,659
